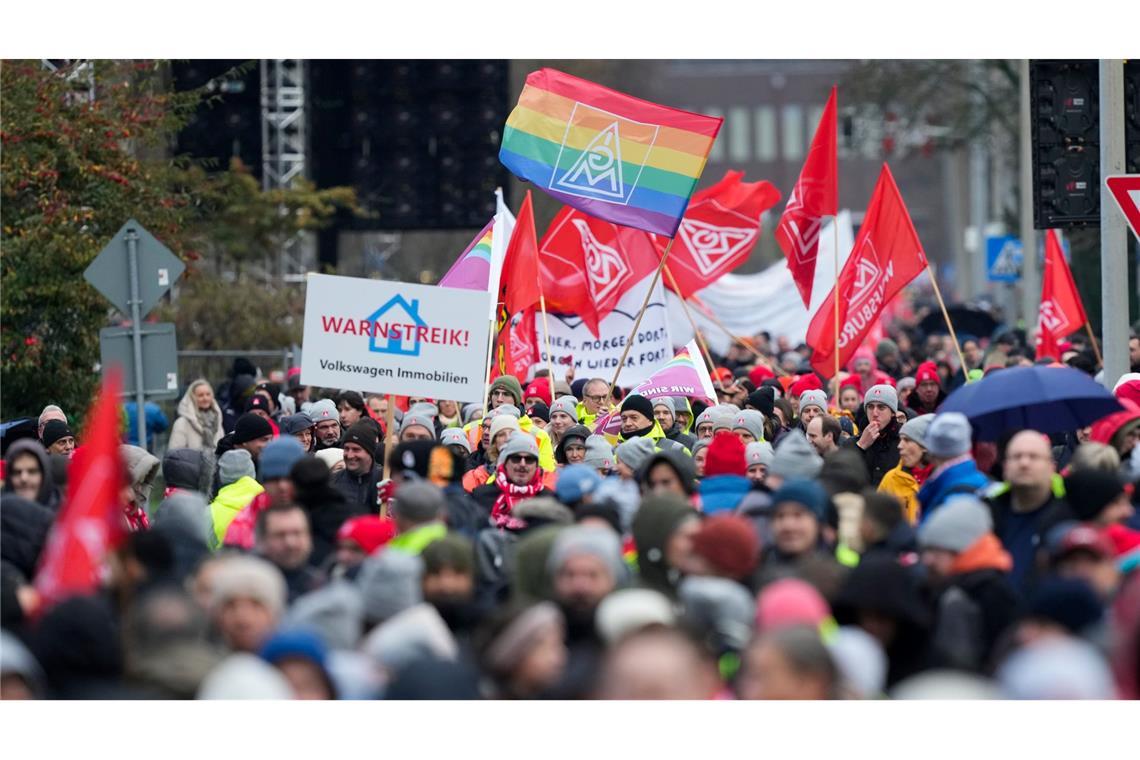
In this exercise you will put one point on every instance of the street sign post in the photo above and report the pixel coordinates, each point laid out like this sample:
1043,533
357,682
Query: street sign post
1003,259
159,349
1125,190
133,272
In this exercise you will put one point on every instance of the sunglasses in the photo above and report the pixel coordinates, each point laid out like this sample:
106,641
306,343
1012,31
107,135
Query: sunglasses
521,459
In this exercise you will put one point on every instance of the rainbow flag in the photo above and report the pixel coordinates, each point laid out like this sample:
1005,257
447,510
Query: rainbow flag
613,156
472,270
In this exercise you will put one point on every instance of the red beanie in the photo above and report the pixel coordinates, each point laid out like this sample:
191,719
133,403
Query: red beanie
726,455
759,374
729,544
368,532
805,383
927,371
852,381
541,388
1128,390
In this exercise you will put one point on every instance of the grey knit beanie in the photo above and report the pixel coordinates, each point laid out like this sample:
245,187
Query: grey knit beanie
795,457
759,452
389,583
234,465
599,453
751,421
566,405
635,452
917,428
956,525
419,502
949,435
666,402
599,542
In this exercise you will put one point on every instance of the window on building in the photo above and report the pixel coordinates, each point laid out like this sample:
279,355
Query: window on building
738,134
766,133
792,132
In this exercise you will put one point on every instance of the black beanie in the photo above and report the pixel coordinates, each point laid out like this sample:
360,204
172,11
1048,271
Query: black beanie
363,435
763,400
539,409
635,402
257,401
1090,491
55,430
250,427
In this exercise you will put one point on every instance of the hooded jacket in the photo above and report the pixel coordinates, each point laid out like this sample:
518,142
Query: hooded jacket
188,469
47,496
187,433
975,605
654,524
580,432
964,477
898,482
24,527
231,500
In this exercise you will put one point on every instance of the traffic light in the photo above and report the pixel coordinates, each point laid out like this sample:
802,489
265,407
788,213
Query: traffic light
1065,103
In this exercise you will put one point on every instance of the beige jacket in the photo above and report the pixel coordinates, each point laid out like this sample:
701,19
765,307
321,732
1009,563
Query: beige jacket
187,431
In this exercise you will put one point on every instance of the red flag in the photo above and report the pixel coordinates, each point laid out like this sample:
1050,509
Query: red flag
588,264
814,196
719,230
518,285
886,256
516,346
91,521
1061,312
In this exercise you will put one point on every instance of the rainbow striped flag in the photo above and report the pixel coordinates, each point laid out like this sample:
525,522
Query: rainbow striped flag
472,270
613,156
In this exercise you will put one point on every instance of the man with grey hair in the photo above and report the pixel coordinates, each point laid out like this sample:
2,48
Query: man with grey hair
50,412
418,511
595,401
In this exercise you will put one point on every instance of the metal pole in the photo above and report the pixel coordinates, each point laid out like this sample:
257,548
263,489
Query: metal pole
1030,274
1113,235
136,334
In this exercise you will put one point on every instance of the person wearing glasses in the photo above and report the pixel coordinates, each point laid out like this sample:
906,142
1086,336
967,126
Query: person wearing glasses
517,478
595,401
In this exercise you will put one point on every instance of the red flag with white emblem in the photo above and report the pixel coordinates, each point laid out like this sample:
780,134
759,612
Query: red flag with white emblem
814,196
1062,312
886,256
91,522
588,264
720,228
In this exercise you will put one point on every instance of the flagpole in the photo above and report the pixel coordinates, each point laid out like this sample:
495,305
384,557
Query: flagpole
487,374
1096,349
835,379
696,333
949,324
640,314
546,331
389,415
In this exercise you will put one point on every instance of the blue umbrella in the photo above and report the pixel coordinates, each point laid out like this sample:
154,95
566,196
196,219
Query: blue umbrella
1047,399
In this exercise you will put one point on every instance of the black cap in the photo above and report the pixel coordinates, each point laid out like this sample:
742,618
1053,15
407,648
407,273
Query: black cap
55,430
250,427
635,402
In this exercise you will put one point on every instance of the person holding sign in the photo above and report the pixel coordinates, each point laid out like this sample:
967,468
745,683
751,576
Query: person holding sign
357,481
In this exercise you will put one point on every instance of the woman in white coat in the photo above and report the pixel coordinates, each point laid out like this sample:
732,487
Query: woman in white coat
199,423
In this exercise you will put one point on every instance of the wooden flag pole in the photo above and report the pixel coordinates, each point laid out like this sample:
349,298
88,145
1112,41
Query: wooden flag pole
835,378
1095,347
546,333
487,374
696,333
640,314
949,324
389,420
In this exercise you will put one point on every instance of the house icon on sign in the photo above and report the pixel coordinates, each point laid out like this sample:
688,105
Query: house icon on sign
396,311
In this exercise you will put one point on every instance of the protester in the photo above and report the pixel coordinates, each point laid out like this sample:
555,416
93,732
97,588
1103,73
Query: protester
914,467
358,480
58,438
947,444
879,441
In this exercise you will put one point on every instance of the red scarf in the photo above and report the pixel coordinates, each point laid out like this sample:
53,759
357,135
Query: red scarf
509,495
920,474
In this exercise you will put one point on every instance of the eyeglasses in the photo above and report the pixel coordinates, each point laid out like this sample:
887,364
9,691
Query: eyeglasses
521,459
596,399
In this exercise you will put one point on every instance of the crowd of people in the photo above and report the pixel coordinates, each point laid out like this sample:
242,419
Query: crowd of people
793,540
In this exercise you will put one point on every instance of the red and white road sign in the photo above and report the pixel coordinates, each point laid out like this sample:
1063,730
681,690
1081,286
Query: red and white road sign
1125,189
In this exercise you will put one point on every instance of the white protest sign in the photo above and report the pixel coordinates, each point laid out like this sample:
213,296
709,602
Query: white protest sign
570,339
395,337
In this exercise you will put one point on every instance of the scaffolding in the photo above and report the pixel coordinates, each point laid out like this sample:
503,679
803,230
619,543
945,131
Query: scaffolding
284,150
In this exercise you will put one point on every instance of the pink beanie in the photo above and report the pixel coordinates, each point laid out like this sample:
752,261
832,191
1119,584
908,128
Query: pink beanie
790,602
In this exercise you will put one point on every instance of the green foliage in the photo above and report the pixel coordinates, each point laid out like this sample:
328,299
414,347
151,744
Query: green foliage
72,173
